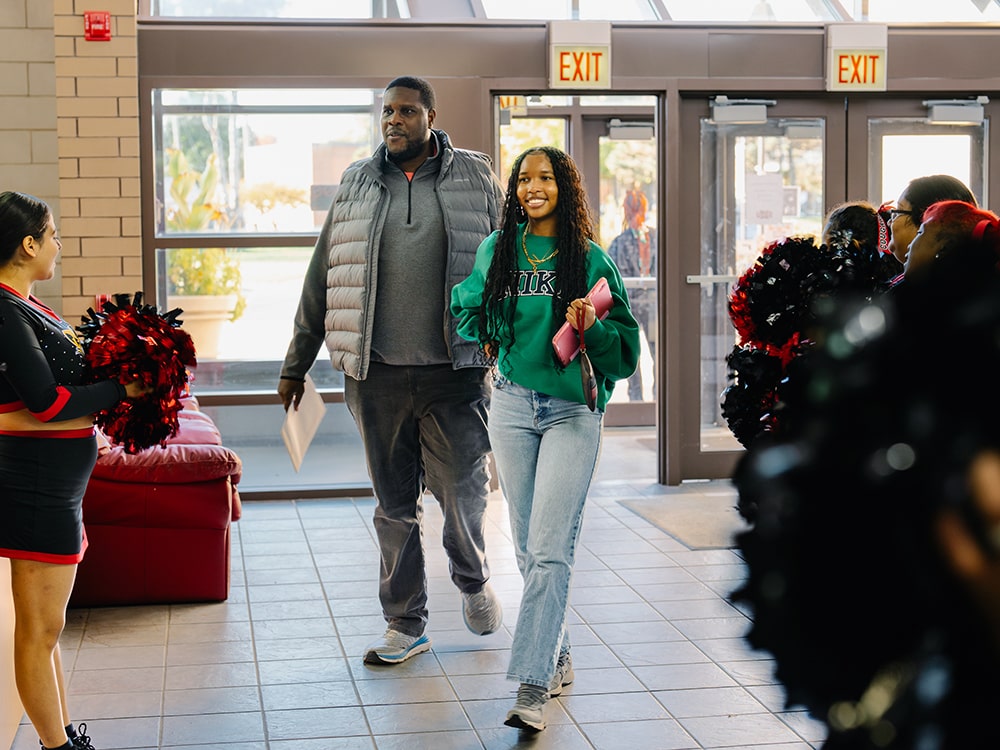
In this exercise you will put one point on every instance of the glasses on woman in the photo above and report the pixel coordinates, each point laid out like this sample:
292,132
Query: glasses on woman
895,213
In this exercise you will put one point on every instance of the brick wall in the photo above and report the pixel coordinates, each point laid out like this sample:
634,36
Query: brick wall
28,150
70,135
97,135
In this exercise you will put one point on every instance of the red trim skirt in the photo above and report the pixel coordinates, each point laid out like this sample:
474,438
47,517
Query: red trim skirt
42,483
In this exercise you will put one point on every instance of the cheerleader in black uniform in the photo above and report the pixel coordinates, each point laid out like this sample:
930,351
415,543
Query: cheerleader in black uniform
47,451
873,566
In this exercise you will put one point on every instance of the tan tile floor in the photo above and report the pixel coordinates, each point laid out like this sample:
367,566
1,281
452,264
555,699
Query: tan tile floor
658,650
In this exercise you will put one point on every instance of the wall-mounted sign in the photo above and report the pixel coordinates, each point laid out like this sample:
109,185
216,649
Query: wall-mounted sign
856,56
580,54
516,106
765,198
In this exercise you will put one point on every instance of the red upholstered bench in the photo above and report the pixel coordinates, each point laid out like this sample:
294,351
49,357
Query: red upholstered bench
158,522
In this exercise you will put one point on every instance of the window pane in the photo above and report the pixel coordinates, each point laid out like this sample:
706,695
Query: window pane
627,220
756,11
907,156
544,10
760,183
549,100
237,162
257,376
596,10
239,303
912,147
626,10
335,458
618,100
263,8
922,11
325,98
525,132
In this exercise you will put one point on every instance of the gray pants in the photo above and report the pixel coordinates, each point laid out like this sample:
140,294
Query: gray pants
424,427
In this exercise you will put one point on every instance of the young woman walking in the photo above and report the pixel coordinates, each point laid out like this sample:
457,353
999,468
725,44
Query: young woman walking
529,278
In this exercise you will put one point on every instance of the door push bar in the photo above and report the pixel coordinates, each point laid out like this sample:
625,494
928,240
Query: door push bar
712,278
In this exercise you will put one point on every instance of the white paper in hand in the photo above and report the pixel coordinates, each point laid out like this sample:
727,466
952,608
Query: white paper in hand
300,425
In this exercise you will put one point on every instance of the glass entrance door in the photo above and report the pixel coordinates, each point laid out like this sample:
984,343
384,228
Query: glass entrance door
749,183
753,183
762,182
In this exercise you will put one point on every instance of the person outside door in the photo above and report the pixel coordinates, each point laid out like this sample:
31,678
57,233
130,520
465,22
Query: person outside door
634,252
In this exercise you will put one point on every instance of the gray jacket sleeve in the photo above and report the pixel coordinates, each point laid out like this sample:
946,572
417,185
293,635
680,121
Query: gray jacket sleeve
309,331
472,199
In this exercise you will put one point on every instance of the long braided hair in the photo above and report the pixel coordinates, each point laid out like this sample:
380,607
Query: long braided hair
575,230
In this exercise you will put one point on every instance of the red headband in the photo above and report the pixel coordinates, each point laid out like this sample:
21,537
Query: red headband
980,230
883,234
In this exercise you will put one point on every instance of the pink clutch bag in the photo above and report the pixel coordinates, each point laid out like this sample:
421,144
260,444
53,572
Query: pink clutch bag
566,342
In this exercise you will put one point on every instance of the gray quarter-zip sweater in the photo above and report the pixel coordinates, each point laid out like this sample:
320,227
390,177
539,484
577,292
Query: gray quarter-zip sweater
412,256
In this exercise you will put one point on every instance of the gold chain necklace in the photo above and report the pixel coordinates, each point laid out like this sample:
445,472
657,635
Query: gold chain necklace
535,262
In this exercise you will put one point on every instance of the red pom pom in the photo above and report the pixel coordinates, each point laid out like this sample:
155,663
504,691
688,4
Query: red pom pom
131,341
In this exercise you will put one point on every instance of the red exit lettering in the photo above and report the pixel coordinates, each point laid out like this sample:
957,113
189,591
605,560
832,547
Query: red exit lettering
580,66
858,68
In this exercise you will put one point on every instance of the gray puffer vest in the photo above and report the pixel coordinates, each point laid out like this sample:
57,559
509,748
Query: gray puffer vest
338,294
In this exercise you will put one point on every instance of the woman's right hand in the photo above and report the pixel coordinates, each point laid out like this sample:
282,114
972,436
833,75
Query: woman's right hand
581,308
136,389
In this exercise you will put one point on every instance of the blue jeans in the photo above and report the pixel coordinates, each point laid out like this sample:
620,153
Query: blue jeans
546,451
424,426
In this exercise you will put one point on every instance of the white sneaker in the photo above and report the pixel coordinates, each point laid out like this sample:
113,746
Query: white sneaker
482,611
527,711
394,647
564,674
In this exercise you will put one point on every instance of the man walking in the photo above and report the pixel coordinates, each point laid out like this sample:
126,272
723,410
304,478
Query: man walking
402,231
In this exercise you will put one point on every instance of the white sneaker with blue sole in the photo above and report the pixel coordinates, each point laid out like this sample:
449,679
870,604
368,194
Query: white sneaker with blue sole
395,647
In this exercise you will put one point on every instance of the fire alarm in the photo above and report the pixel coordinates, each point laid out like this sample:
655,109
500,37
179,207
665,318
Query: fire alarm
97,25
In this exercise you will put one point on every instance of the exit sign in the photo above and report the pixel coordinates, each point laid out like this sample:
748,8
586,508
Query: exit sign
579,55
856,57
587,67
858,69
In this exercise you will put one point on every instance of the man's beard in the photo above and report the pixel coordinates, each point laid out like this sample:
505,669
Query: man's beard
413,149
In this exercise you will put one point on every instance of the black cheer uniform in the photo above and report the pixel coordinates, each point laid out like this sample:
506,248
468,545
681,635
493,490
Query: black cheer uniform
44,473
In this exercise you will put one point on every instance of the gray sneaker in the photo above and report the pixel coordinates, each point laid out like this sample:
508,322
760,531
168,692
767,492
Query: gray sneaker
482,611
564,674
394,647
527,711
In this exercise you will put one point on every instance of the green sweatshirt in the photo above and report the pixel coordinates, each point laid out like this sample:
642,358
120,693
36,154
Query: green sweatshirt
612,343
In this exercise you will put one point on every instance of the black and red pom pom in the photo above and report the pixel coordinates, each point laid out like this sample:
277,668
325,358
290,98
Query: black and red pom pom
127,341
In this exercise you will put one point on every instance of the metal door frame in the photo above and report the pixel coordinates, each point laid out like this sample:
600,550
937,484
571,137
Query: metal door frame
683,457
